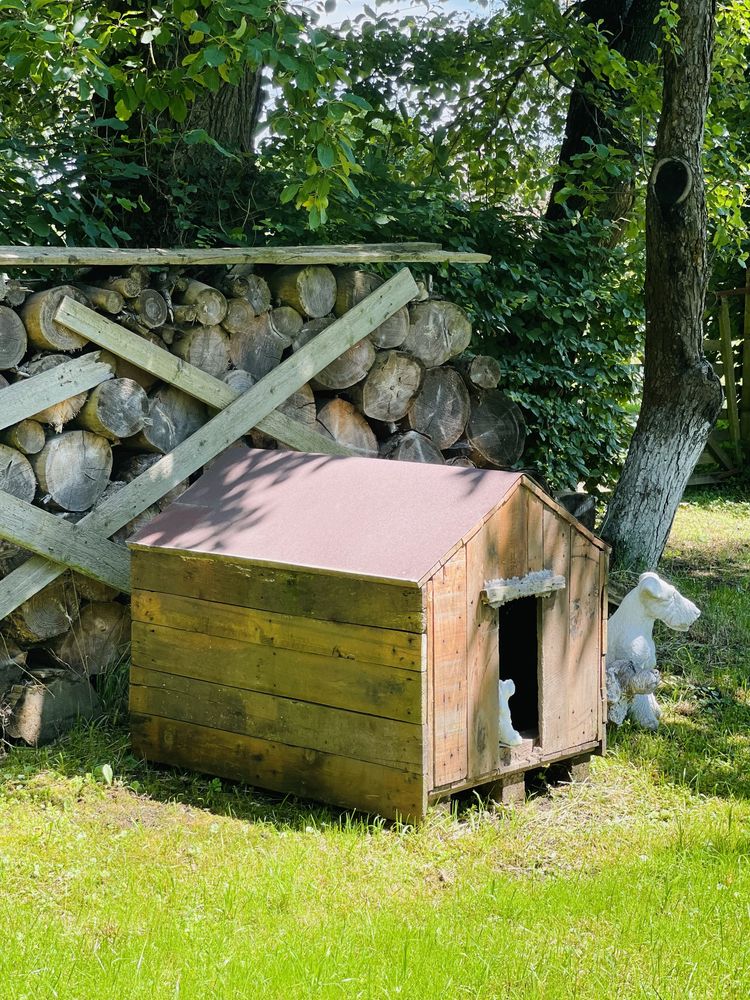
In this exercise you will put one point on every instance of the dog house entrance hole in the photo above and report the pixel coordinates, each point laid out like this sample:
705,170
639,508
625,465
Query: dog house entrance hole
518,636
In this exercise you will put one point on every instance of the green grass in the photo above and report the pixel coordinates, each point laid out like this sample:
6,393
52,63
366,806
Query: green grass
635,883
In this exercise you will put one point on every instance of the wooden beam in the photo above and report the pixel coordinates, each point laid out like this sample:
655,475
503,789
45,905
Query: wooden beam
24,399
221,431
727,357
358,253
73,545
745,401
166,366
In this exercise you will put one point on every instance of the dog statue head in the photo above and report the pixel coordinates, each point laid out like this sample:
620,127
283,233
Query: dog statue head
663,602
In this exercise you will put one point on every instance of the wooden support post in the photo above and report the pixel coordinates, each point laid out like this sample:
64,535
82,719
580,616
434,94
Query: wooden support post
212,391
745,403
220,432
24,399
727,358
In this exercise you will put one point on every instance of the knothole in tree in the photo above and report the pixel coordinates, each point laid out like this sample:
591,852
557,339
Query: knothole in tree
671,181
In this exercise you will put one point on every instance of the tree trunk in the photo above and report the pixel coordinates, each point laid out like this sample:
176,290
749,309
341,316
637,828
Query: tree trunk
635,33
681,395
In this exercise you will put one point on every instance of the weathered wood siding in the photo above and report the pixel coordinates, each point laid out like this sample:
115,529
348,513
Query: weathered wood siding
259,678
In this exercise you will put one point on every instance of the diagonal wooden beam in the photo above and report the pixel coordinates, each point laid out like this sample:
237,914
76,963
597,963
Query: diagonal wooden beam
221,431
75,546
24,399
182,375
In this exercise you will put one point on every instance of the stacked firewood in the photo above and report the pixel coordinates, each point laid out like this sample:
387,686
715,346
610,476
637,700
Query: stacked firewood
409,391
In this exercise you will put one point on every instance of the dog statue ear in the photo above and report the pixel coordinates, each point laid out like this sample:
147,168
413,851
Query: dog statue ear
653,585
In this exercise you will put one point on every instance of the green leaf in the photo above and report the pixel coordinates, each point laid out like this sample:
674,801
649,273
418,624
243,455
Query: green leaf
326,155
178,108
214,56
288,193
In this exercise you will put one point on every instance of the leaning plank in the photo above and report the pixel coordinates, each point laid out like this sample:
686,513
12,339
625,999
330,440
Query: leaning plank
72,545
358,253
219,433
24,399
199,384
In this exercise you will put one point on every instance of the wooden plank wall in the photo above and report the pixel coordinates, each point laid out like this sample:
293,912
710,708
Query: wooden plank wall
282,694
522,536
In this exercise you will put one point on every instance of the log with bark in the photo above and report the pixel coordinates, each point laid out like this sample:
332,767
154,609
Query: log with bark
310,290
204,347
43,330
345,371
438,331
259,348
115,409
411,447
389,388
478,370
47,614
27,436
345,424
97,639
16,474
58,414
73,469
441,408
172,417
352,287
496,432
13,340
210,305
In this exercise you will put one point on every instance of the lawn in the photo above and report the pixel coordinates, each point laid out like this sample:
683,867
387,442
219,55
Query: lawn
635,883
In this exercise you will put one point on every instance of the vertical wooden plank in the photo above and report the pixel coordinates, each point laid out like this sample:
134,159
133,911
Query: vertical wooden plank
482,654
584,654
510,529
449,656
745,405
429,710
555,629
604,611
534,533
727,357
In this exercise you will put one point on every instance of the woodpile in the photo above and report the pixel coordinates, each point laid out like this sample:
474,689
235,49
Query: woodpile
409,391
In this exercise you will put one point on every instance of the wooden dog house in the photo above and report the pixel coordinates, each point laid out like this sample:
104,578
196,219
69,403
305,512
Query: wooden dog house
319,625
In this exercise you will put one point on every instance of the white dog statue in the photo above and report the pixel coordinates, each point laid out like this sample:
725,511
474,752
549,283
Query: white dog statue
508,735
632,676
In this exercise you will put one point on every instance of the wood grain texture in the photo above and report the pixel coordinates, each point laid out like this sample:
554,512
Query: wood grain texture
182,375
69,544
449,689
266,588
348,254
220,432
388,692
339,780
584,663
556,695
510,528
34,395
534,532
482,652
284,720
309,635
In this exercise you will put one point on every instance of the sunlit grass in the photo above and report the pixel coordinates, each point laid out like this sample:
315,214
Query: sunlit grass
635,883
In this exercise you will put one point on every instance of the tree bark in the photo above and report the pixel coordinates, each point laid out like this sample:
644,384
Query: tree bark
634,34
682,395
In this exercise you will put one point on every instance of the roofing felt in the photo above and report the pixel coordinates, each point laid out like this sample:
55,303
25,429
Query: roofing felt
364,516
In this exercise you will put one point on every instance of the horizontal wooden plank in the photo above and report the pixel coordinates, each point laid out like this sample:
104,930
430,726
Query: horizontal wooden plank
168,367
72,545
308,635
220,432
283,720
26,398
372,688
358,253
298,593
340,781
